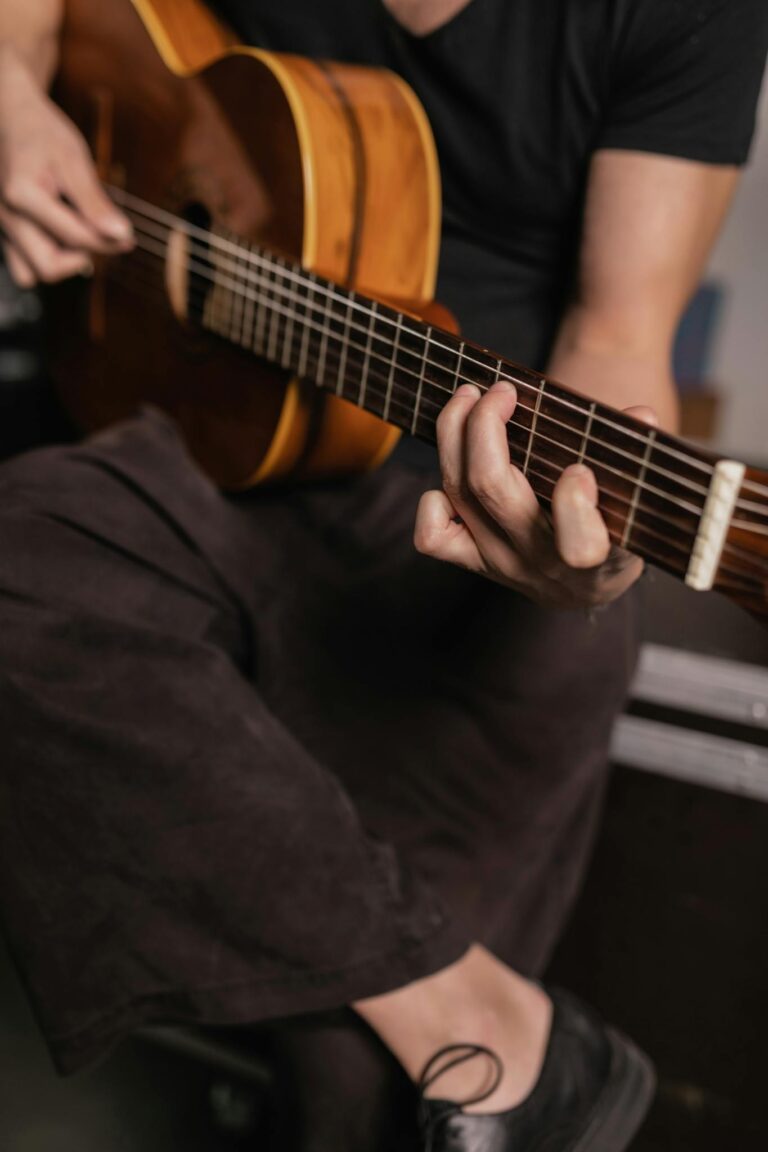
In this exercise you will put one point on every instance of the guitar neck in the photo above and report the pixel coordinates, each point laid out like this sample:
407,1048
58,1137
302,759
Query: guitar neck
653,488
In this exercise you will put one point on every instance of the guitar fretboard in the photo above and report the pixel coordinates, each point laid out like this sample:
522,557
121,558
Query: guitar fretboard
652,487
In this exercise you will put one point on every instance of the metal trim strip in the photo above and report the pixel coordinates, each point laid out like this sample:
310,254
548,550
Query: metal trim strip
724,689
695,757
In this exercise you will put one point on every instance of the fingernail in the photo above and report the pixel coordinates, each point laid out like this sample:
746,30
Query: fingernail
584,486
87,269
117,229
503,386
468,390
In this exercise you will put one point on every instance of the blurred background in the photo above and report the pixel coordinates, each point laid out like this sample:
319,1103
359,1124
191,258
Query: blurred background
670,939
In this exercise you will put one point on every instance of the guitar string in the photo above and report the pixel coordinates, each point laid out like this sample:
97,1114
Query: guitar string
374,356
275,267
202,272
274,264
157,214
276,289
663,496
750,585
292,298
142,284
230,321
740,581
118,270
323,330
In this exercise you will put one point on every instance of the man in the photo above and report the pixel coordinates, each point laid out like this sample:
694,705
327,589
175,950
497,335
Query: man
185,679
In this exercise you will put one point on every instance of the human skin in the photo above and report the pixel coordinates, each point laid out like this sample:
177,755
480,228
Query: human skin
649,225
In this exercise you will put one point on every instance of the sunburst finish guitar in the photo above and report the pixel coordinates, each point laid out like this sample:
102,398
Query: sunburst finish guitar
279,299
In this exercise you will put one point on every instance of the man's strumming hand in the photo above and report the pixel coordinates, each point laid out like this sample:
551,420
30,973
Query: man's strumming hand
54,213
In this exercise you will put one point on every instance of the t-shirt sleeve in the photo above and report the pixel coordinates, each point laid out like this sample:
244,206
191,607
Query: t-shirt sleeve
685,78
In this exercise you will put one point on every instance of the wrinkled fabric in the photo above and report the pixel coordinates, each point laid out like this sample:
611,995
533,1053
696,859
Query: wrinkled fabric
259,757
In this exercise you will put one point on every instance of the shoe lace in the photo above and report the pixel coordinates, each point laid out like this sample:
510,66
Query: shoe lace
451,1056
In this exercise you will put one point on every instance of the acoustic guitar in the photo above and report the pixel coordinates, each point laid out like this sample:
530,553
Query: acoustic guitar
278,302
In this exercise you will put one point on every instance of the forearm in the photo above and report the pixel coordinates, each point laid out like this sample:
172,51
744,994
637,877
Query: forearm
622,373
29,29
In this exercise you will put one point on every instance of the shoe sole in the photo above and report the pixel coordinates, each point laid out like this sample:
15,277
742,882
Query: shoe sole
624,1102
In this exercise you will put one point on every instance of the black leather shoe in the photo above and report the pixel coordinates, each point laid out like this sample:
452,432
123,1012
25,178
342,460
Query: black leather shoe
594,1089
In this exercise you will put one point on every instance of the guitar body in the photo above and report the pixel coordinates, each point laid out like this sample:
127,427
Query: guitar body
330,165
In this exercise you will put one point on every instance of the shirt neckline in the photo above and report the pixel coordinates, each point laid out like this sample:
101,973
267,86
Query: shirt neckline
423,37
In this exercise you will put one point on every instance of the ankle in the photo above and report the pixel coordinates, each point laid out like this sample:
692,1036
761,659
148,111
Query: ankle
478,1001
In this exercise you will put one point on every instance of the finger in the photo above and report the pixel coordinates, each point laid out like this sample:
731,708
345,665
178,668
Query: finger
21,272
643,413
48,262
43,207
580,532
452,427
450,433
499,487
492,477
437,533
79,182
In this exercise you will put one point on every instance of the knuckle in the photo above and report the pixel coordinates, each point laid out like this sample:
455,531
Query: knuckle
16,189
71,140
584,555
425,540
553,568
452,485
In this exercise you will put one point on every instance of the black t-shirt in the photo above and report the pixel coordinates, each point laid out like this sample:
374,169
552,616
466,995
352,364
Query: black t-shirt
520,93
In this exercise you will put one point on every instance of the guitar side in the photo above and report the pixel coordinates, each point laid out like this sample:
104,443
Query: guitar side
331,165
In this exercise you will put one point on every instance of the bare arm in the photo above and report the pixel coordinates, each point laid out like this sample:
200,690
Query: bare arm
29,29
649,224
53,212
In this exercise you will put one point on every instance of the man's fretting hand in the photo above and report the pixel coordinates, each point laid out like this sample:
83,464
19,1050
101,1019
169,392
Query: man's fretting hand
488,520
54,213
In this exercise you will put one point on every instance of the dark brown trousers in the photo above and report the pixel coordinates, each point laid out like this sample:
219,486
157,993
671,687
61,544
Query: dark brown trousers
260,759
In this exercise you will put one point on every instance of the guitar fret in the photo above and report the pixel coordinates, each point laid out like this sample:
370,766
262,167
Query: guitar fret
215,295
248,317
228,295
308,306
239,271
263,305
325,333
587,433
417,402
274,319
457,373
207,316
532,432
367,356
638,488
290,321
344,345
393,366
211,310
